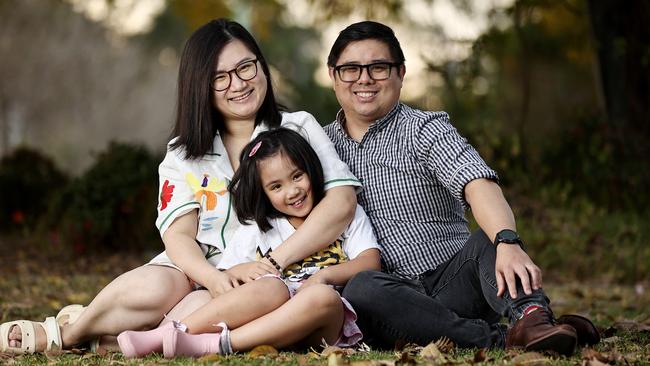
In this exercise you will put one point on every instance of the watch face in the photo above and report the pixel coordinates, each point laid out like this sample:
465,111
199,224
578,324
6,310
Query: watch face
508,236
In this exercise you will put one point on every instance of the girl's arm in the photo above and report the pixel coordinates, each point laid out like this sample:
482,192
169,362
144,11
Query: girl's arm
340,274
181,248
324,225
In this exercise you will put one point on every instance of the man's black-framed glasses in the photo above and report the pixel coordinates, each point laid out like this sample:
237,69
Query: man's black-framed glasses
376,71
245,71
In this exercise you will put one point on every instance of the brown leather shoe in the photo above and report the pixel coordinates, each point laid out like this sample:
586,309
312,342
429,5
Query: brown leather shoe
586,330
537,332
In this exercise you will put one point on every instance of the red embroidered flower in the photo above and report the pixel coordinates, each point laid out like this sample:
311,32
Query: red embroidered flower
166,194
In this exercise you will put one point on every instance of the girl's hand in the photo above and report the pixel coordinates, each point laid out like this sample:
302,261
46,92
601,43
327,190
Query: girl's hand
220,283
247,272
318,278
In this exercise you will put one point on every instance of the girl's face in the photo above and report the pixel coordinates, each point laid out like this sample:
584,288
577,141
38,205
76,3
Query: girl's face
287,187
242,99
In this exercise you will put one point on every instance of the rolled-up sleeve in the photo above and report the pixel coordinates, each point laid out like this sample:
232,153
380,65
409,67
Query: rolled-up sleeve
175,196
450,157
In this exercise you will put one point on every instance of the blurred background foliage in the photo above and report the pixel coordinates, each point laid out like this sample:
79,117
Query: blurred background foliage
553,93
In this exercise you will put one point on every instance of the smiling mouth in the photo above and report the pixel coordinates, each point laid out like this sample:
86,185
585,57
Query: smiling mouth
241,97
365,94
297,203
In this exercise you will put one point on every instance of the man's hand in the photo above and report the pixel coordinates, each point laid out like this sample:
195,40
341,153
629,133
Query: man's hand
247,272
513,262
221,282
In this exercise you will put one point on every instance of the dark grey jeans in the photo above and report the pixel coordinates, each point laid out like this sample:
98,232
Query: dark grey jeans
457,300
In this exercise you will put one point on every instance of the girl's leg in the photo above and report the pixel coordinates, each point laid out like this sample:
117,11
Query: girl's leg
238,306
189,304
316,312
135,300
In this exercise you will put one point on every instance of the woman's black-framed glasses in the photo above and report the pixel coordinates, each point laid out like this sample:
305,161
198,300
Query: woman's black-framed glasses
376,71
244,71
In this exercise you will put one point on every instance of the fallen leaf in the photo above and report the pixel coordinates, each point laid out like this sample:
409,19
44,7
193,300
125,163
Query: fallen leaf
335,359
432,353
613,339
338,350
530,359
406,359
631,326
306,360
590,353
362,347
210,358
263,350
593,362
480,355
445,345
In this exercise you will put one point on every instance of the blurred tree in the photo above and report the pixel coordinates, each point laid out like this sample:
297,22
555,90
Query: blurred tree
622,38
69,85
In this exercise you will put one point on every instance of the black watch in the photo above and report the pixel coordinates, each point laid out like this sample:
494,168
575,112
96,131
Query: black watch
508,236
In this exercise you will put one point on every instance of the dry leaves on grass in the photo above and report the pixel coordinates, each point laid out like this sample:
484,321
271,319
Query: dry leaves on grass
263,351
530,359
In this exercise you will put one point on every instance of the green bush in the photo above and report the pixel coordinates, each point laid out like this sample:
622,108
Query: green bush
112,206
28,181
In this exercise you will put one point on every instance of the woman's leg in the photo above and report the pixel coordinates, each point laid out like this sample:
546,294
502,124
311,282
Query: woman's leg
135,300
316,312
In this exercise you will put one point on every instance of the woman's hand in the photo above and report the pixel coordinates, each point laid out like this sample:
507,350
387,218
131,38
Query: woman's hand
221,282
247,272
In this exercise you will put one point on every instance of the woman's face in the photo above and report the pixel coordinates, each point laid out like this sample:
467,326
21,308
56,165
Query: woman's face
242,99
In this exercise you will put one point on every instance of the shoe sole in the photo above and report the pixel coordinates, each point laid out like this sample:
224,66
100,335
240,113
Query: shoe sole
169,344
561,342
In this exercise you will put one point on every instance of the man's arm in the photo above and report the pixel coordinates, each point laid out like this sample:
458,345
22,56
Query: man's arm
493,214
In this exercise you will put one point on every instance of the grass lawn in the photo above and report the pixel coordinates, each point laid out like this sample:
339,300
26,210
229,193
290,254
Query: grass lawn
33,286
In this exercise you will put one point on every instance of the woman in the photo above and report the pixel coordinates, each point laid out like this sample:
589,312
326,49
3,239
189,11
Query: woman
225,98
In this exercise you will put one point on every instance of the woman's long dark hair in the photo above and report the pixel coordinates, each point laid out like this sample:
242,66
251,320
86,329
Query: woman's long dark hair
249,199
197,120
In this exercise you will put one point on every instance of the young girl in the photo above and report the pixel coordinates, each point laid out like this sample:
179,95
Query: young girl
278,183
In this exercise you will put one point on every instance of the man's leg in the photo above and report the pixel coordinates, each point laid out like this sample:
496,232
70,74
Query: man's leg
391,309
467,284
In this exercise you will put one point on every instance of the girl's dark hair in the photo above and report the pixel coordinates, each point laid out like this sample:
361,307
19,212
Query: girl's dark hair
197,120
249,200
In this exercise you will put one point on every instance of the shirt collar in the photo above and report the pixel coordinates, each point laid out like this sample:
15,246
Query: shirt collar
376,125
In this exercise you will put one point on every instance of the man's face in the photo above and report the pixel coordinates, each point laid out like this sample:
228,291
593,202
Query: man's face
367,100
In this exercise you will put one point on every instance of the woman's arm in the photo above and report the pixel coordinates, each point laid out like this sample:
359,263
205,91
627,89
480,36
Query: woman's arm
340,274
181,248
324,224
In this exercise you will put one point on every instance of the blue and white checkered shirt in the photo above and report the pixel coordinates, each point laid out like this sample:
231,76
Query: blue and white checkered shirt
414,167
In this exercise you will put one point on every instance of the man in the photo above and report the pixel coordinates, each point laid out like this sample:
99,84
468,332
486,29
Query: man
419,175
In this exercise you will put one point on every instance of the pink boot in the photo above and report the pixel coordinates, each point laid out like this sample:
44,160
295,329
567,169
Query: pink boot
139,344
179,343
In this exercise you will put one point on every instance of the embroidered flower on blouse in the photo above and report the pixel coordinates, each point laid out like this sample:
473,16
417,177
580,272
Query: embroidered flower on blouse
208,188
166,194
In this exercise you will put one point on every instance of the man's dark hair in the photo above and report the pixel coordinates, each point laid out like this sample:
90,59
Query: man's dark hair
249,199
366,30
197,120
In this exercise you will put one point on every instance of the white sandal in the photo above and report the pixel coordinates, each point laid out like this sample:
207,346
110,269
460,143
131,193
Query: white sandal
28,341
69,314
